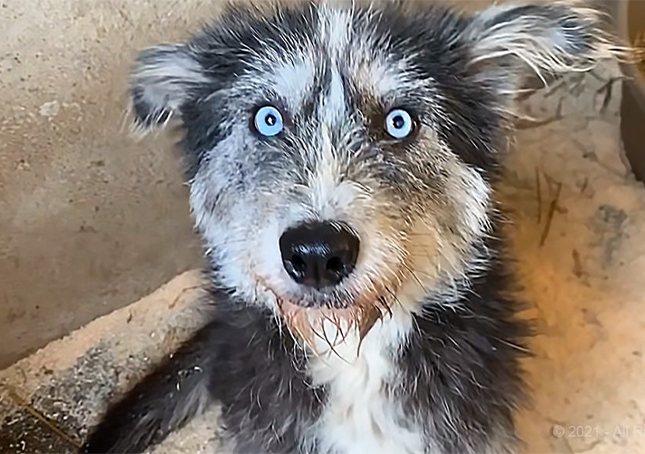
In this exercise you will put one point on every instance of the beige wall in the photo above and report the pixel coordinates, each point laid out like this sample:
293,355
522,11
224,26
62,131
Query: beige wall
89,219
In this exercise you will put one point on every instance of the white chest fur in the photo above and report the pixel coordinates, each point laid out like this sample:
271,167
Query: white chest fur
361,415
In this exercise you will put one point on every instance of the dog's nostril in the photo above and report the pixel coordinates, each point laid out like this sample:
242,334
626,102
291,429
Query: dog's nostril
298,264
335,265
319,254
295,266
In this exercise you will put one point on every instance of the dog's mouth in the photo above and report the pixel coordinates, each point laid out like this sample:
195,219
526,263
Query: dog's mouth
330,326
328,318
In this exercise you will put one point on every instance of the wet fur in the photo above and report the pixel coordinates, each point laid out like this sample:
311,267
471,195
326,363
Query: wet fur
419,349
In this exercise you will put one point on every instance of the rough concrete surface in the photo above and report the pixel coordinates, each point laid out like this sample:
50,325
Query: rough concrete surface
580,250
89,219
62,388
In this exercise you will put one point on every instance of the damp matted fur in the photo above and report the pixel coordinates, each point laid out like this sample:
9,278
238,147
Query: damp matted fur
418,349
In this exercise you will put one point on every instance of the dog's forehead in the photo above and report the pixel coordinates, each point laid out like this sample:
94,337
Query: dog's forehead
342,51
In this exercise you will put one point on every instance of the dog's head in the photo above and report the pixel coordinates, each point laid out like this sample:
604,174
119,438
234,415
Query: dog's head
339,159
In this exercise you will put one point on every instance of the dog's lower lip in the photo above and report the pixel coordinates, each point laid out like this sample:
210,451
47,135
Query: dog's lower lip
310,305
313,304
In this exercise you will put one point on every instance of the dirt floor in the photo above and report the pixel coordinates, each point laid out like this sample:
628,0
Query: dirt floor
578,232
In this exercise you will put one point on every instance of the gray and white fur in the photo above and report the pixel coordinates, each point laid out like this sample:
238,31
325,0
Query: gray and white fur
414,344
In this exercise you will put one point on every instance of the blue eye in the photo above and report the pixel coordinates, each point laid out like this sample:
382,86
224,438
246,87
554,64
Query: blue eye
268,121
399,123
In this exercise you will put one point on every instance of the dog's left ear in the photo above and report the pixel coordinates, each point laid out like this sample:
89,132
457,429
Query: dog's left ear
547,38
161,82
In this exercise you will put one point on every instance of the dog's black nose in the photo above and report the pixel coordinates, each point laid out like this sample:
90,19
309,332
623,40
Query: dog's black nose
319,254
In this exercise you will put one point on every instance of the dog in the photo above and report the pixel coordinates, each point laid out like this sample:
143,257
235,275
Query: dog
341,160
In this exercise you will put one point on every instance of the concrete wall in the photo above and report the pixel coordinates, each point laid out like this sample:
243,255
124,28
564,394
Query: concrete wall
89,219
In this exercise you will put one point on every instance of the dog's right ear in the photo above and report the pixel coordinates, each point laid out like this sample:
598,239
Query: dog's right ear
549,38
161,82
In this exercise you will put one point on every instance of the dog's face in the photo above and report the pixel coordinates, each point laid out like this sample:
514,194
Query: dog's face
339,159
